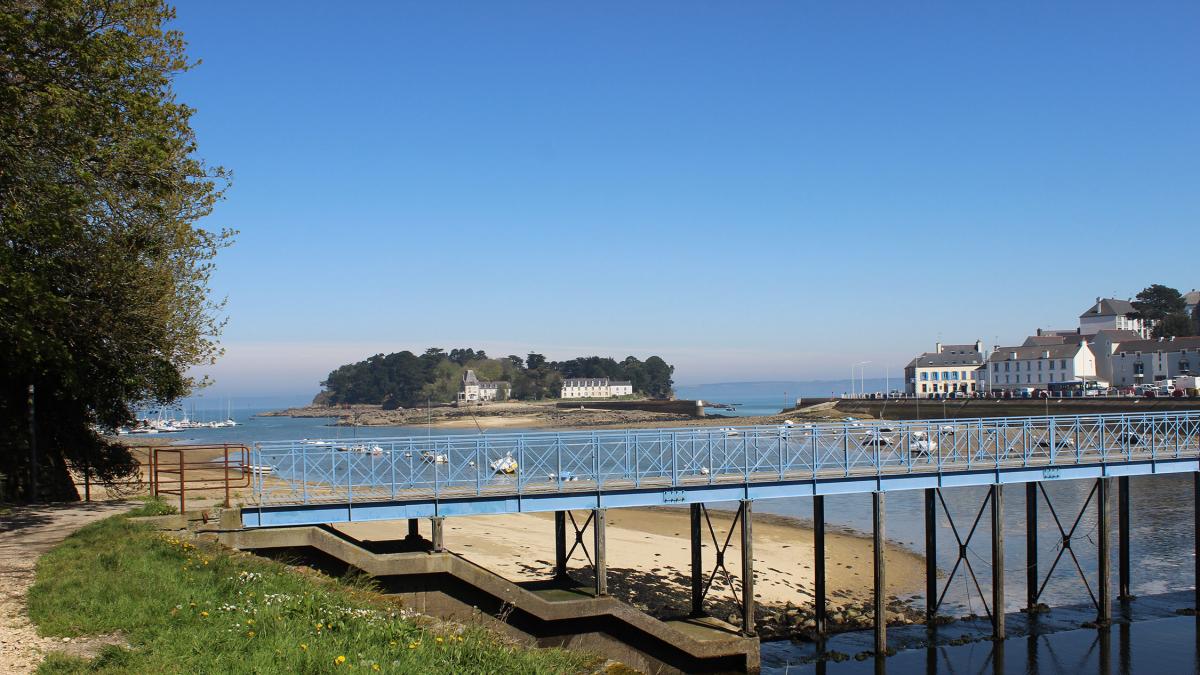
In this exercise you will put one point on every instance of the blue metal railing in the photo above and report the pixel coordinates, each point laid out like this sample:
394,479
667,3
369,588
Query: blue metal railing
461,466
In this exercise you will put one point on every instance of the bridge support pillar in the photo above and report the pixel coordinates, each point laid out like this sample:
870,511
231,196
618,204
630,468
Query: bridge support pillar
1123,579
436,534
1031,549
877,518
600,552
931,585
414,531
697,562
747,570
821,611
1196,524
998,561
560,544
1104,557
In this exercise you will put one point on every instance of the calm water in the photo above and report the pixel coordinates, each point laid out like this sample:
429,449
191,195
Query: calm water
1162,551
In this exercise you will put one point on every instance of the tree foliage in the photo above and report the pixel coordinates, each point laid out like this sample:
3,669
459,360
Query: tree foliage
104,298
1166,308
404,379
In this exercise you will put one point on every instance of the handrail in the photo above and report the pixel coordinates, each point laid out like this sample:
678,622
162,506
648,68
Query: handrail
171,477
462,465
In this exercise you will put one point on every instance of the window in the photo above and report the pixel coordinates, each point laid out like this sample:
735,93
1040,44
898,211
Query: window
1064,364
1006,366
924,387
995,367
924,376
1039,378
1039,365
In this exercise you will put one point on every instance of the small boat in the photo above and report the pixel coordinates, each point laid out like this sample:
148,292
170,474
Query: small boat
505,464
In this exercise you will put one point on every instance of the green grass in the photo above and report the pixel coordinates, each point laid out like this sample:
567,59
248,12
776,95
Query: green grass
153,506
193,607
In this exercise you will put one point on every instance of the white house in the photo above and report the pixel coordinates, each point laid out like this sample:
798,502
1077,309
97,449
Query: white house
948,368
1111,314
471,391
595,387
1146,361
1037,366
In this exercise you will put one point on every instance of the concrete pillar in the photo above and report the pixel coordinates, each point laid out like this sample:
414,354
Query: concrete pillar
560,544
998,561
1123,581
747,569
600,552
1031,547
1196,539
436,534
1104,557
877,518
931,585
697,561
821,611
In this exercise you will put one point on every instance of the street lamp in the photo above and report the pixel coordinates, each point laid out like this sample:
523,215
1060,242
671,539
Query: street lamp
862,388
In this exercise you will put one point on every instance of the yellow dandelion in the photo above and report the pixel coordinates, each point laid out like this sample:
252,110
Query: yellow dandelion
249,633
203,613
375,667
303,647
249,622
340,660
412,645
438,639
392,643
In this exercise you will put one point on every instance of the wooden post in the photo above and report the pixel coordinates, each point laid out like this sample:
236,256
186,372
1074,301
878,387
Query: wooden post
1123,580
1031,548
697,562
227,502
930,556
877,518
998,561
182,484
1104,558
821,613
414,530
747,570
600,552
560,544
437,534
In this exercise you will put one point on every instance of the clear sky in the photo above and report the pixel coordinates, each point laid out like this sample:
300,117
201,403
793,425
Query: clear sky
751,190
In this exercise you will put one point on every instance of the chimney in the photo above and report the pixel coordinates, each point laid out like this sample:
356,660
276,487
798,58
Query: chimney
937,348
1039,333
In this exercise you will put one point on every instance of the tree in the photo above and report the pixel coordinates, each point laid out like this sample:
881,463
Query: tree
658,377
104,298
1175,324
1155,303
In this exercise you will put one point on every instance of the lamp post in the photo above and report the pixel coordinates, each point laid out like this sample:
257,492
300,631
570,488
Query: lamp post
862,388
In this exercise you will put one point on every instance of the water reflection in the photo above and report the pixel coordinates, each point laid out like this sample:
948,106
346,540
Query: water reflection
1161,646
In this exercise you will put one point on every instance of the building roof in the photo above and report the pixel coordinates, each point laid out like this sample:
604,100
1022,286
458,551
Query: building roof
939,360
1192,298
1119,336
621,383
586,382
469,378
1061,351
1109,307
1162,345
1041,340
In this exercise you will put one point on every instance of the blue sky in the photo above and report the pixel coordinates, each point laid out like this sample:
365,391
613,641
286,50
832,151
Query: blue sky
754,191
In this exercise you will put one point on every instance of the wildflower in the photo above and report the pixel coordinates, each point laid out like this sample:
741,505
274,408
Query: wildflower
375,667
249,622
340,660
303,647
203,613
250,633
438,639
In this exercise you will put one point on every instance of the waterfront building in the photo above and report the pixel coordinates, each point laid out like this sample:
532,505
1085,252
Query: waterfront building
472,391
595,387
1190,300
948,368
1037,366
1147,361
1112,314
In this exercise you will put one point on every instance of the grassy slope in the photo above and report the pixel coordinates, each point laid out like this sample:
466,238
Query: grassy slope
205,609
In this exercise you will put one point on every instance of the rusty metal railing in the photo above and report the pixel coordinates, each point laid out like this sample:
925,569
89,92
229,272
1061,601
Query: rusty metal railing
180,470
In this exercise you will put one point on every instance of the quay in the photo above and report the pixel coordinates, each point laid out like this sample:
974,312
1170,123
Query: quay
314,484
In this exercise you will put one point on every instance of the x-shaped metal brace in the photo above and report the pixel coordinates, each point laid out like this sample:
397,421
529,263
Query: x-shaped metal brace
964,560
580,542
721,548
1067,535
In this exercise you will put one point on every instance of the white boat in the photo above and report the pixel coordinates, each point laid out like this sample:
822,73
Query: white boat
505,464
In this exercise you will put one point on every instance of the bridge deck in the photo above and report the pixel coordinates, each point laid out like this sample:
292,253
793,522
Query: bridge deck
310,482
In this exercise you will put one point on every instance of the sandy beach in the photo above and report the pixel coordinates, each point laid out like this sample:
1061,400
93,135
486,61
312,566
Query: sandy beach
649,559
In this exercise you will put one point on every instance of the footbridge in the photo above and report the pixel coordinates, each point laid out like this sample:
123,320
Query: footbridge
308,482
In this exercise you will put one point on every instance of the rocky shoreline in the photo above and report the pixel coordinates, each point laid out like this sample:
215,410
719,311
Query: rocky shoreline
522,414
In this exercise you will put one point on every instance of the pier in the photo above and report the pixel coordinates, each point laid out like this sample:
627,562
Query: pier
314,483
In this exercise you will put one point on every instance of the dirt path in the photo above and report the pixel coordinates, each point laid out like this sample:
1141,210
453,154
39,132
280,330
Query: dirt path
25,534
